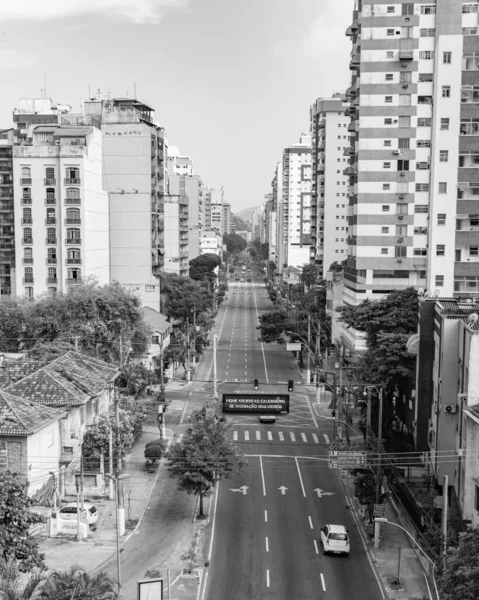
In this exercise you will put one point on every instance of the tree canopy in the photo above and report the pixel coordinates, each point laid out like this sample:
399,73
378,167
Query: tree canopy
183,295
205,454
202,267
460,577
16,518
97,317
234,242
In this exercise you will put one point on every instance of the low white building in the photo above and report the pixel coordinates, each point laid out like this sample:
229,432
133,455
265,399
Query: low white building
160,339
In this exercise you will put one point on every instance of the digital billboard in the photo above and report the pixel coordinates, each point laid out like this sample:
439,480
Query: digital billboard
261,403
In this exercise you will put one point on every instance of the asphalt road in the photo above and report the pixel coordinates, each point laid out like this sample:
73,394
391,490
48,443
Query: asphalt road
266,530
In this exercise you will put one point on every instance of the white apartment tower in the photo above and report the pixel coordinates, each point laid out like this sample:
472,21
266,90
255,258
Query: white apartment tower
294,205
61,209
414,153
329,194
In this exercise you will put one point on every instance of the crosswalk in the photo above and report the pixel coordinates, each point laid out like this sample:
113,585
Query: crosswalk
277,436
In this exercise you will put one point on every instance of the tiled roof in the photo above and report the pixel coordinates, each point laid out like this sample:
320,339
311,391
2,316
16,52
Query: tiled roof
69,380
24,417
155,319
13,369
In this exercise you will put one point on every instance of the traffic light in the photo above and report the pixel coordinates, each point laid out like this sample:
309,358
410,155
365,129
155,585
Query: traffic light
290,385
333,414
256,384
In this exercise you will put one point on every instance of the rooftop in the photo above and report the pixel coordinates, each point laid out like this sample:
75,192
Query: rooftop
24,417
155,320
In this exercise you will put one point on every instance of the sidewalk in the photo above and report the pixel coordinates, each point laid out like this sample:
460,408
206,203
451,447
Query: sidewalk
384,559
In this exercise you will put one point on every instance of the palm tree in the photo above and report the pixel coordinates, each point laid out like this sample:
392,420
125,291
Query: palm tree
14,587
77,584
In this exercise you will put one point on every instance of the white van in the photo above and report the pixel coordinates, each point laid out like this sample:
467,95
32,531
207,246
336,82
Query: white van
335,539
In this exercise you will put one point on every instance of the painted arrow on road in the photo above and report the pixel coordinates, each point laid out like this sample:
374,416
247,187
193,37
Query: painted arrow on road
283,490
321,493
244,490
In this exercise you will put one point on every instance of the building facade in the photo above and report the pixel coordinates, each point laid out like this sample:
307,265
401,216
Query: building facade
414,140
61,209
329,191
7,231
176,235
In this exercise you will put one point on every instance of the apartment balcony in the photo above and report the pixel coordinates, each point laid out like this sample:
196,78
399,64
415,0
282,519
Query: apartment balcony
350,111
52,280
72,221
72,241
348,151
50,181
27,240
75,201
51,240
25,181
27,261
406,49
72,281
72,181
467,237
352,126
51,261
28,280
50,221
26,200
73,261
27,221
49,200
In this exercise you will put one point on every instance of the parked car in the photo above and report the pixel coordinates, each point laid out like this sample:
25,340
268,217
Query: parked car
335,539
70,512
249,279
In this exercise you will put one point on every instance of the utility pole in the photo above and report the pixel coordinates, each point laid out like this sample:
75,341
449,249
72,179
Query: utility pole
82,494
445,499
308,369
317,358
340,429
368,416
119,460
215,381
380,439
187,349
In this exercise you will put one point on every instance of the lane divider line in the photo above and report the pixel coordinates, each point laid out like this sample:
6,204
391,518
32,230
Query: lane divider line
300,477
322,582
262,475
265,516
267,577
310,523
316,546
315,438
267,545
326,438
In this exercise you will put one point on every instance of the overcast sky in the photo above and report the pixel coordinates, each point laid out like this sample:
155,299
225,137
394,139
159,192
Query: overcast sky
230,80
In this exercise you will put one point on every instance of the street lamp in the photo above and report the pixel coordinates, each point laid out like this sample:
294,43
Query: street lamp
120,522
215,372
380,520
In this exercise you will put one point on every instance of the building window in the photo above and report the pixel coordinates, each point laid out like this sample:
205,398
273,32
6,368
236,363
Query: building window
405,121
421,208
469,8
429,32
384,250
391,9
439,280
386,165
49,175
428,9
443,155
384,229
73,193
390,54
388,99
400,251
423,143
469,127
470,62
389,76
425,77
447,58
388,121
72,175
387,143
27,216
419,252
426,54
440,250
403,165
473,250
389,31
444,124
403,143
441,218
443,187
470,94
422,187
29,292
423,166
386,187
385,208
446,91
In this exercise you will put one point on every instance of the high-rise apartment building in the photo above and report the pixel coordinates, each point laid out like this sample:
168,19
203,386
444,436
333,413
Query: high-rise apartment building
7,231
329,193
61,209
217,212
294,204
176,235
414,148
226,218
36,111
134,169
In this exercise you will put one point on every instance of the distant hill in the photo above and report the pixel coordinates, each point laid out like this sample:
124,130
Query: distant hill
239,224
247,213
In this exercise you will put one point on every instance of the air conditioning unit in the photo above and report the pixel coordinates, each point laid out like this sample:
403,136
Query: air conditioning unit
396,152
401,197
400,239
450,408
400,217
461,398
404,64
399,260
403,173
405,86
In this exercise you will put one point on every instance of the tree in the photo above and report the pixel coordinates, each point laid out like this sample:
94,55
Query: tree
182,296
45,352
273,325
365,490
14,586
234,242
76,583
460,577
205,455
16,518
202,268
310,275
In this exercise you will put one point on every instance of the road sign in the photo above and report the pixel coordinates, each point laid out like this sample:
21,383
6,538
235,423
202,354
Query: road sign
379,510
263,403
243,490
296,347
339,459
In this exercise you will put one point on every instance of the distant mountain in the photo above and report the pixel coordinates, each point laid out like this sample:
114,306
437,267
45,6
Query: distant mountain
247,213
239,224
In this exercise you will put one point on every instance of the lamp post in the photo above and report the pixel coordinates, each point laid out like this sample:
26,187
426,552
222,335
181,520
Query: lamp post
414,541
116,479
377,526
215,373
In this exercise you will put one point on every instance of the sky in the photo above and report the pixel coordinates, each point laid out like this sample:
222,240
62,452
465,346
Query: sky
230,80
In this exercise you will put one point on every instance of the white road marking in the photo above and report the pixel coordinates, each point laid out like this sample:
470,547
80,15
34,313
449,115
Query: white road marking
292,436
326,438
315,438
267,545
281,436
322,582
270,435
246,435
299,473
310,522
267,577
305,439
258,435
183,412
316,546
265,516
235,436
262,475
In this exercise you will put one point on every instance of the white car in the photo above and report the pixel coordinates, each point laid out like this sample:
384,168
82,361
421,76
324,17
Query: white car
335,539
70,512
